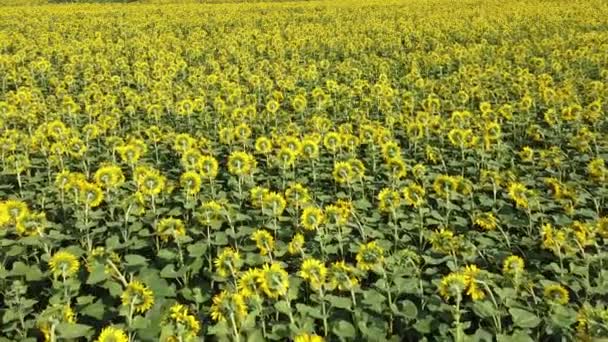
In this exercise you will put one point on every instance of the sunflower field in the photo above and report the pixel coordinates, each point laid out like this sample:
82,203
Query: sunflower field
304,171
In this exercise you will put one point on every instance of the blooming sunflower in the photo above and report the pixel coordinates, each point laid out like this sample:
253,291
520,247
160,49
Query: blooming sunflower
263,241
312,218
286,158
331,141
226,305
64,263
170,227
274,280
138,296
274,204
343,173
248,283
263,145
228,262
187,325
342,276
513,265
109,177
30,224
486,220
297,195
308,338
555,293
370,255
190,182
207,167
296,245
519,194
388,200
313,271
310,149
336,215
413,194
256,196
241,163
111,334
452,285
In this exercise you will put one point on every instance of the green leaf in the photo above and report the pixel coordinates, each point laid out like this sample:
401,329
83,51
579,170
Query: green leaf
339,302
95,310
73,330
168,271
282,307
409,309
484,309
135,260
518,336
98,274
523,318
344,329
197,249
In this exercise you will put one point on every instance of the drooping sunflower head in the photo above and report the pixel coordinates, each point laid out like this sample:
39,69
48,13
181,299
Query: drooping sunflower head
91,194
264,241
313,271
191,182
452,285
519,194
555,293
227,305
274,280
343,173
391,150
513,265
112,334
296,245
138,296
64,263
308,338
413,194
274,204
312,217
486,221
342,276
30,224
248,283
388,200
228,262
370,256
297,195
170,227
263,145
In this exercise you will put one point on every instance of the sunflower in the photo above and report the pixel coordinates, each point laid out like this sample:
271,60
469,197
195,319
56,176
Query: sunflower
443,241
513,265
312,218
274,204
472,272
109,177
519,194
486,220
263,145
358,168
187,325
555,293
241,163
256,196
388,200
413,195
247,284
313,271
11,211
370,255
391,150
343,173
242,132
30,224
91,194
190,182
342,276
445,185
263,241
274,280
150,182
64,263
137,296
396,168
310,149
336,215
170,227
297,195
226,305
210,212
296,245
111,334
272,106
597,169
452,285
526,154
286,158
308,338
292,143
331,141
207,167
228,262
